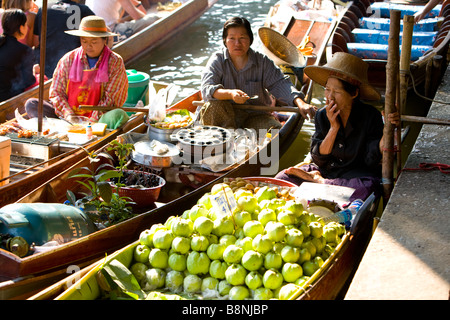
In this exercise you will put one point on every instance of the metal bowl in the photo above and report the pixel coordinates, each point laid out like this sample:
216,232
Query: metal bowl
144,153
164,134
161,134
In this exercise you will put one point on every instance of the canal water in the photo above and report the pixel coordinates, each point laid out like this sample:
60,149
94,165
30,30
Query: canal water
181,59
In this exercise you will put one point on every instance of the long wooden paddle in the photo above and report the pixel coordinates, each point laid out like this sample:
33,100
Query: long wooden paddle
197,103
425,120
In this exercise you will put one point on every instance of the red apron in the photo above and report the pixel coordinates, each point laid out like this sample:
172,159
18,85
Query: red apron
86,92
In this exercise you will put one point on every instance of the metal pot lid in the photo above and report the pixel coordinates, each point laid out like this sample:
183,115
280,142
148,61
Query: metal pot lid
203,136
154,148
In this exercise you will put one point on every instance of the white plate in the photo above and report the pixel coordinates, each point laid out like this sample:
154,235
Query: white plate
79,138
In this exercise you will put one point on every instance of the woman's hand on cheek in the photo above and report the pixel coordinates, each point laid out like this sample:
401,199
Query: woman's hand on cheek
332,114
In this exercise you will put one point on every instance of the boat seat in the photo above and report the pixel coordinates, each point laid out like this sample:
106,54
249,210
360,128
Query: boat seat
365,3
353,17
381,37
345,27
444,29
446,11
355,9
383,24
380,51
382,9
339,44
349,22
439,40
349,37
362,8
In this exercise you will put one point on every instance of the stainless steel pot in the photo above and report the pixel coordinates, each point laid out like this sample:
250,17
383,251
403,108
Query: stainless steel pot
146,154
163,134
160,134
203,140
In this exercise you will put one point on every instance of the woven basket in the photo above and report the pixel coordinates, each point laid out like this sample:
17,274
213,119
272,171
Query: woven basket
280,49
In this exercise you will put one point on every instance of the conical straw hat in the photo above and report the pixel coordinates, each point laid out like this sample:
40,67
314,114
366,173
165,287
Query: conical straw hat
92,26
280,49
346,67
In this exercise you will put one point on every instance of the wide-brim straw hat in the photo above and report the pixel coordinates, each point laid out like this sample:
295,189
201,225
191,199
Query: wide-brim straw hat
92,26
280,49
346,67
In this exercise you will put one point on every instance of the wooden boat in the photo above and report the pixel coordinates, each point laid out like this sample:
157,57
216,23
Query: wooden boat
428,60
152,36
325,284
174,196
331,282
130,49
21,184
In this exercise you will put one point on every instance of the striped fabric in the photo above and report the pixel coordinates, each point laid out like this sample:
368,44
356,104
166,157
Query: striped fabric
114,92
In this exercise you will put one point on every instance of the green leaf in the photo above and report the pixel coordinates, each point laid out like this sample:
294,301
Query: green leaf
90,207
182,112
124,279
105,175
85,185
71,197
73,173
82,175
105,166
105,191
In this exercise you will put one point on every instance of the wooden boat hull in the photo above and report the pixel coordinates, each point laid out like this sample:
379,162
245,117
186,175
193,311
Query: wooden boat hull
332,283
95,245
14,190
8,107
325,284
155,34
421,69
129,49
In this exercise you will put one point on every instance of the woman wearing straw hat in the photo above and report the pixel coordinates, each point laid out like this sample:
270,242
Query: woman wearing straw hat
89,75
346,147
236,73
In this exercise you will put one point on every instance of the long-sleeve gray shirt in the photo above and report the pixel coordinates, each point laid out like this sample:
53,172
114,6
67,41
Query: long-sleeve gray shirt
259,77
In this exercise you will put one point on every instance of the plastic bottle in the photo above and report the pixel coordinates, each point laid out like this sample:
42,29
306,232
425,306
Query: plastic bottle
89,131
346,215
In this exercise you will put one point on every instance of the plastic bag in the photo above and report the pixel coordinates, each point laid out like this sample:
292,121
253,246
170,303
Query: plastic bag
157,107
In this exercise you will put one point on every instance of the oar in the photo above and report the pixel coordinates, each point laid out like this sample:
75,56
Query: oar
197,103
42,64
54,159
425,120
107,108
256,107
392,68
